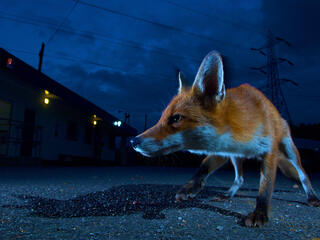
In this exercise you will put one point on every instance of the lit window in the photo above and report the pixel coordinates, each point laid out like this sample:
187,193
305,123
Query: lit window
46,92
9,62
46,100
95,122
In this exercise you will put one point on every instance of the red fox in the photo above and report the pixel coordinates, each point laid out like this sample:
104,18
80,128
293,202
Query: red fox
231,124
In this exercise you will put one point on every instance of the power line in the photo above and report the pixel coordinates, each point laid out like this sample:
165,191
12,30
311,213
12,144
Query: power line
99,36
178,5
170,27
63,21
94,35
23,21
314,97
76,59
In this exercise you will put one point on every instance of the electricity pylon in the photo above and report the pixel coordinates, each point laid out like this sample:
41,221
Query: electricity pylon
273,88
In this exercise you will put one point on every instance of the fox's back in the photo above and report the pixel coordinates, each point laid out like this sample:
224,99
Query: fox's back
246,109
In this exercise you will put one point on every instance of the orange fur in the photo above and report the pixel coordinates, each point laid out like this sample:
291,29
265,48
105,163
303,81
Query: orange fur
244,109
235,124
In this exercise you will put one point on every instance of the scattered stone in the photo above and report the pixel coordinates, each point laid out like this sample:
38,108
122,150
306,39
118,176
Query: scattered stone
220,228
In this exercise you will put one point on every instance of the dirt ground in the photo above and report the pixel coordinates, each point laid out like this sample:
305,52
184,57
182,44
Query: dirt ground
138,203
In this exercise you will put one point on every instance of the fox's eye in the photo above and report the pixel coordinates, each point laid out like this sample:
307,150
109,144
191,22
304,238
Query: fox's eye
175,118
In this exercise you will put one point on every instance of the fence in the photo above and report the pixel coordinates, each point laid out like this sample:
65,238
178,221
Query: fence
14,142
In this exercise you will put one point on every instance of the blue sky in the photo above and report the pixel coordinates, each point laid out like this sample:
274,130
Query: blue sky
124,55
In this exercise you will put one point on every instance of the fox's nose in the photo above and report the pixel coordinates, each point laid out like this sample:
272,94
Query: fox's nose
135,141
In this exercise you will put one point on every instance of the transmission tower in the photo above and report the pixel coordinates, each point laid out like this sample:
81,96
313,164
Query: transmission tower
273,88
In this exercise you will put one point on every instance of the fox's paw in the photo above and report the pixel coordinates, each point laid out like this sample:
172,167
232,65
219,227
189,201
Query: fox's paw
189,190
314,202
256,219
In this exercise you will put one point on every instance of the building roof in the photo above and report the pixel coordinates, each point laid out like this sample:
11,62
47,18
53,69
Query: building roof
39,80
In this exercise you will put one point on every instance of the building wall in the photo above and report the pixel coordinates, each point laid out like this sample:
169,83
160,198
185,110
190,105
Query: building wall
51,120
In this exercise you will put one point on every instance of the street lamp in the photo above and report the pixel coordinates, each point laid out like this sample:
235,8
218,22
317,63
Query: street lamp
117,123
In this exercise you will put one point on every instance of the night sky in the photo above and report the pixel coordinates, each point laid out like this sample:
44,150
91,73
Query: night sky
124,55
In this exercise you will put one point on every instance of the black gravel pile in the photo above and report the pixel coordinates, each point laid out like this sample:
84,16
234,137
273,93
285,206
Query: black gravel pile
149,199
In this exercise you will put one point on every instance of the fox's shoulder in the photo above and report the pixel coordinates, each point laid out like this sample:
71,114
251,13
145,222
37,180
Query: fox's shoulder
246,93
245,88
251,109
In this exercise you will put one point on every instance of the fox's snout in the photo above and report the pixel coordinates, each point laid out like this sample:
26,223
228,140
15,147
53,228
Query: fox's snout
151,147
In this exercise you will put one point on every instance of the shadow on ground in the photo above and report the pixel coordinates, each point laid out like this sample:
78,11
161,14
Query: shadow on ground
148,199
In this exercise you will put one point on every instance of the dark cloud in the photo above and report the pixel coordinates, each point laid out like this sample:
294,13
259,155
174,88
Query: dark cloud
118,91
294,20
135,63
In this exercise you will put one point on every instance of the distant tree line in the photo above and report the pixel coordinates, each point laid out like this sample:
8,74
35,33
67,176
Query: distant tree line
309,131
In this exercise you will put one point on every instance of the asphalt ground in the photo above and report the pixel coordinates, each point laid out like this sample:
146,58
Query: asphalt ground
138,203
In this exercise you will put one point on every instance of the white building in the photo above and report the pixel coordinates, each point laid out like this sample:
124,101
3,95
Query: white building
41,120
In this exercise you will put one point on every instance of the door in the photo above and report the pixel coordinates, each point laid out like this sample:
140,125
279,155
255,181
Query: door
28,133
5,114
97,142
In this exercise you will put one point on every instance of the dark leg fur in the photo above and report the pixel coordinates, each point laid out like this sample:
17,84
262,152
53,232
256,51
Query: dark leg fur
196,184
268,173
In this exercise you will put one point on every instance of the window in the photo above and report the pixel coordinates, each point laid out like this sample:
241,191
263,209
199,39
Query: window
5,114
112,142
9,62
72,131
88,133
56,130
118,142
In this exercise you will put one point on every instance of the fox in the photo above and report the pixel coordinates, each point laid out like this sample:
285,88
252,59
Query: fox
226,125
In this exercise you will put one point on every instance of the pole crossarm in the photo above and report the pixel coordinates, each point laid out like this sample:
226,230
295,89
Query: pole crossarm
273,88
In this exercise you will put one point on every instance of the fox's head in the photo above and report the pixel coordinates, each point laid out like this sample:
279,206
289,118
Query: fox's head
184,122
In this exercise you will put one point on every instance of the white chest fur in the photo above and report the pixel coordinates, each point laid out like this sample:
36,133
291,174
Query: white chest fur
206,140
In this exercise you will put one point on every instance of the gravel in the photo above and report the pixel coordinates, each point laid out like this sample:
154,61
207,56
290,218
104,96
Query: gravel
138,203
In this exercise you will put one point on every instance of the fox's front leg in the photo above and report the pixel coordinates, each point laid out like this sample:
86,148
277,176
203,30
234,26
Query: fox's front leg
195,185
267,178
238,179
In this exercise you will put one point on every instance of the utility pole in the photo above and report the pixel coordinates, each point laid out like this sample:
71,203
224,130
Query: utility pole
126,116
41,57
273,88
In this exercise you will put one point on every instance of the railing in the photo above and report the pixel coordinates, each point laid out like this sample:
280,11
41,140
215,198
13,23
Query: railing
11,138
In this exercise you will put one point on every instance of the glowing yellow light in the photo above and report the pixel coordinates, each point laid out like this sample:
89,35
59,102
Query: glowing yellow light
46,100
94,116
95,122
46,92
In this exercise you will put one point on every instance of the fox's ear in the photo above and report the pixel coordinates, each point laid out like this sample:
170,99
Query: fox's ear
209,80
182,81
